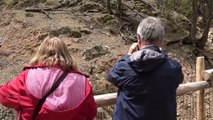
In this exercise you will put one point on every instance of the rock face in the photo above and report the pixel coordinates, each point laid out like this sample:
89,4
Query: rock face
95,51
95,39
6,114
67,32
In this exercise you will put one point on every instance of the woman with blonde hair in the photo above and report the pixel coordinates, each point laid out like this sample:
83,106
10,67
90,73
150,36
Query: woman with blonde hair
51,87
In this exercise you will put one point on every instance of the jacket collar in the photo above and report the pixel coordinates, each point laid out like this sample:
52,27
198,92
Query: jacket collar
152,47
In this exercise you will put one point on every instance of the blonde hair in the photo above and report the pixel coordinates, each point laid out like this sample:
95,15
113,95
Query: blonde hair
53,51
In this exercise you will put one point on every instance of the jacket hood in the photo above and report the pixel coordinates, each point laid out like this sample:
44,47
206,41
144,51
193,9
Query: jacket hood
147,59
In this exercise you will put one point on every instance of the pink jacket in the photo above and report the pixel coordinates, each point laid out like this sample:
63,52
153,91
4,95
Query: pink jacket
72,100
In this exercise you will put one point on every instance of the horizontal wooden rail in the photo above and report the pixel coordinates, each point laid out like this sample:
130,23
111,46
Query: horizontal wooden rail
105,99
110,98
207,74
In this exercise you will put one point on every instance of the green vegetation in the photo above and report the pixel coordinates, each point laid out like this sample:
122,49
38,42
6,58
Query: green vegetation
29,15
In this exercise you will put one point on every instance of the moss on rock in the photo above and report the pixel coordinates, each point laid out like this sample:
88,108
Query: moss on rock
67,32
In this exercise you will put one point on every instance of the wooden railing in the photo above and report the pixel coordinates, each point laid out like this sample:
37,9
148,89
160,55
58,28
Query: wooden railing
199,86
109,99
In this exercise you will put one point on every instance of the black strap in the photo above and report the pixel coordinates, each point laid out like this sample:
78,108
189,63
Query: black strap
55,85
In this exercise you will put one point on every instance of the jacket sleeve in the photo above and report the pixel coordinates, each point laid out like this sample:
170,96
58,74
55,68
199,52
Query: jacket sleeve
10,93
117,72
91,104
92,107
178,74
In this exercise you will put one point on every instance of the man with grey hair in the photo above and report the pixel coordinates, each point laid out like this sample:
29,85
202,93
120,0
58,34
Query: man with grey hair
146,78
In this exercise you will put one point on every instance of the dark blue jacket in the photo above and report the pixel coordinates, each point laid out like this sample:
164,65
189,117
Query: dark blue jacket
147,82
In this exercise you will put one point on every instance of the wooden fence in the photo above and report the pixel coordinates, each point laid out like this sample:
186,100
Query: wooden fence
202,82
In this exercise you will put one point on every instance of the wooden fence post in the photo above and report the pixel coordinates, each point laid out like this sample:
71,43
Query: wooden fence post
200,67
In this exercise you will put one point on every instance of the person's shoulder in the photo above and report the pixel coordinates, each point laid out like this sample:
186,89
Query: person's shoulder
75,71
174,63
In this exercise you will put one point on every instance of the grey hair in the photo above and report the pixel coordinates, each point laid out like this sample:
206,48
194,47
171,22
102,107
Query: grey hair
151,29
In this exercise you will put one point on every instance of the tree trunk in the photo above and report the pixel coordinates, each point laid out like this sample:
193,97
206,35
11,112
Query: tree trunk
207,23
119,6
175,3
201,43
194,21
109,7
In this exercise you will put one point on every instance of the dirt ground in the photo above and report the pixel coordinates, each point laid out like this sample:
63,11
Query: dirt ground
92,37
